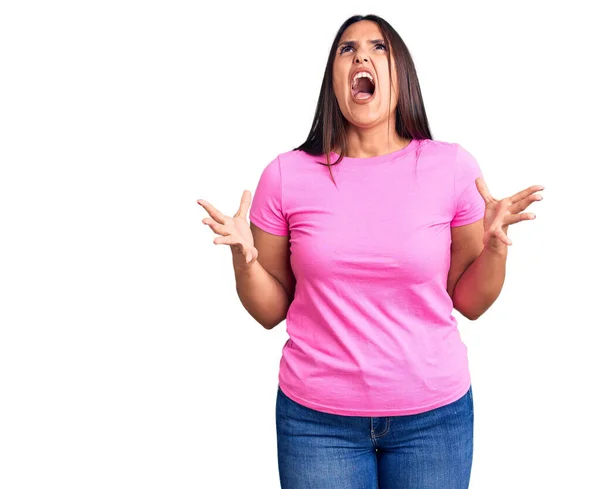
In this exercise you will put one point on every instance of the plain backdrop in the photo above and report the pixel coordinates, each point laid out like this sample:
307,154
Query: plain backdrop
126,357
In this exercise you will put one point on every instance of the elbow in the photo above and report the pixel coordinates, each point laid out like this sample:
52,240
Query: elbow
469,313
473,314
268,325
277,319
470,309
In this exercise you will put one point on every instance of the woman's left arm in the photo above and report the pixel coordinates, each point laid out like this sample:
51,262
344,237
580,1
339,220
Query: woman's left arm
479,251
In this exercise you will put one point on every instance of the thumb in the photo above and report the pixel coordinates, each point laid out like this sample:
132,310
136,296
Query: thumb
244,204
483,190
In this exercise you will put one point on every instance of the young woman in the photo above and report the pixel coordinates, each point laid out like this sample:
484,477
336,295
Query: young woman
364,239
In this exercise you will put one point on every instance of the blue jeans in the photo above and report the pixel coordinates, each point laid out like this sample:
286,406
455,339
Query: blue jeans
430,450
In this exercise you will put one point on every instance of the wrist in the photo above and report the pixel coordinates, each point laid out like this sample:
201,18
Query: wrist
496,247
239,260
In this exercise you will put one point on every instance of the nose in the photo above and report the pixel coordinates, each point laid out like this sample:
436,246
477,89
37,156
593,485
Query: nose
359,57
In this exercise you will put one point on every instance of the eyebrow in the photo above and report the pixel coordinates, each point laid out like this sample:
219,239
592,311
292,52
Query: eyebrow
353,43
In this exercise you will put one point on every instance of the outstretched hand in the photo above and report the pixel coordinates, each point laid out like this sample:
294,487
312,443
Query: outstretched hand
235,231
499,214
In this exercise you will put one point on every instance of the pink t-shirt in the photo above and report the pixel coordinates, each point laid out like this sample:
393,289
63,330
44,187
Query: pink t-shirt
371,329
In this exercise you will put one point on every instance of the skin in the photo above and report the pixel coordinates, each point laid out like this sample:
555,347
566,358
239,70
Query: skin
478,251
368,133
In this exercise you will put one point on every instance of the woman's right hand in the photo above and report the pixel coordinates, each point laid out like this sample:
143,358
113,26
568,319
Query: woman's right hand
235,231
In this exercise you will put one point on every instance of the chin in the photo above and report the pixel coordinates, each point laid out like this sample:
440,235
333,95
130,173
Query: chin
361,124
366,121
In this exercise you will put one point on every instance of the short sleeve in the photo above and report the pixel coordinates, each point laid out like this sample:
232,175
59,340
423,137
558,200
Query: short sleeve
469,204
266,211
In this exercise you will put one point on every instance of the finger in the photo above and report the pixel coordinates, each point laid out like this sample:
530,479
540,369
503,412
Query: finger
525,202
499,220
515,218
213,212
483,190
501,235
227,240
524,193
231,240
244,204
215,226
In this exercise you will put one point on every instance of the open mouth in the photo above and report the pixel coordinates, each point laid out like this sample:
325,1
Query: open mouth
363,86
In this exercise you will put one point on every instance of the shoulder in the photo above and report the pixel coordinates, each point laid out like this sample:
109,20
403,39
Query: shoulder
456,153
294,157
290,162
440,148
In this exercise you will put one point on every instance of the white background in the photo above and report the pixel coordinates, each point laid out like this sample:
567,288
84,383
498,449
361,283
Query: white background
126,358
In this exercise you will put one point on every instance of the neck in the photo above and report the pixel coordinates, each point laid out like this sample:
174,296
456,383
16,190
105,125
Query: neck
375,141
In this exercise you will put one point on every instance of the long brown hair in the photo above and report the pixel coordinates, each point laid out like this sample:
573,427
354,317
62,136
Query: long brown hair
328,127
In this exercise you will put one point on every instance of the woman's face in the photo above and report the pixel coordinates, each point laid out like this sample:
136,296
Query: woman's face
360,76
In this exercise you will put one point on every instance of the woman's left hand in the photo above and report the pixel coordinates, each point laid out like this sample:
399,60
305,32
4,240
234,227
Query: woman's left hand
499,214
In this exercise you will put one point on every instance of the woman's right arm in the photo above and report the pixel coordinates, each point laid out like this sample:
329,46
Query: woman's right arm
266,285
264,279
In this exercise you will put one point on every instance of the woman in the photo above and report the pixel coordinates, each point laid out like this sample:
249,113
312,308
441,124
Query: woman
364,239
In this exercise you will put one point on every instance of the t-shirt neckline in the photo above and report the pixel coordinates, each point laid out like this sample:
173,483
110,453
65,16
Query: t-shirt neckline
381,158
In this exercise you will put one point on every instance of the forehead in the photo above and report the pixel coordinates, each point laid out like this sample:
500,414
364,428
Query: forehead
364,29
